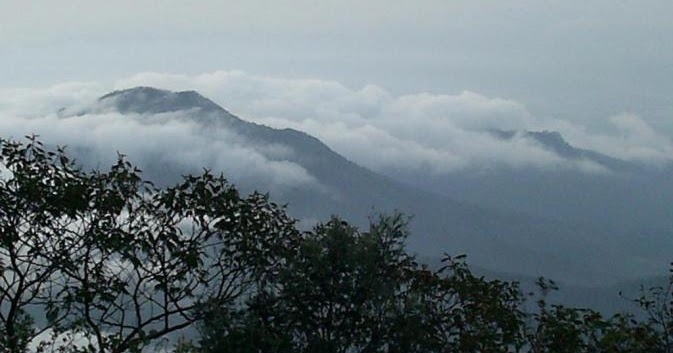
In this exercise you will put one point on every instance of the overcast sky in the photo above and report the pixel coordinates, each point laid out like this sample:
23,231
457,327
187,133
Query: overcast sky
575,60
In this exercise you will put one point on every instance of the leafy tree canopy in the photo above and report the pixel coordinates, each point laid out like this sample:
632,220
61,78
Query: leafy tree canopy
104,261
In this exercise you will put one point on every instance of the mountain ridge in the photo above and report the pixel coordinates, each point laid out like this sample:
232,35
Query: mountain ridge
508,241
553,141
156,100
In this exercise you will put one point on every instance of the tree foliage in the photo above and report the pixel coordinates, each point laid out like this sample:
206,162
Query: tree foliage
114,260
104,261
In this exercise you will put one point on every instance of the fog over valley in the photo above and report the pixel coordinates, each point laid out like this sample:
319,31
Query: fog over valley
480,175
306,176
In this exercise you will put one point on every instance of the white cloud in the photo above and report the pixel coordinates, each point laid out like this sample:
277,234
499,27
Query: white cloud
5,174
633,139
424,131
35,102
48,340
421,132
159,142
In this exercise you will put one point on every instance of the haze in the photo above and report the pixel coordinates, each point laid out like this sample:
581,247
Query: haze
572,60
547,124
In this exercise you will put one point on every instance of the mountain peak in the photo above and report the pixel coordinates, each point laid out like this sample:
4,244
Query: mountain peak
550,140
135,91
554,142
152,100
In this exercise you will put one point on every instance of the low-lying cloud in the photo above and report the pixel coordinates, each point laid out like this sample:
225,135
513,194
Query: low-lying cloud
163,144
439,133
421,132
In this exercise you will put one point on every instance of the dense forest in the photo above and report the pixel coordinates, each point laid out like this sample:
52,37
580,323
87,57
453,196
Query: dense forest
105,261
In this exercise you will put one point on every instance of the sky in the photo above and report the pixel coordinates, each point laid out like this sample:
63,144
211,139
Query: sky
400,87
570,59
390,84
386,83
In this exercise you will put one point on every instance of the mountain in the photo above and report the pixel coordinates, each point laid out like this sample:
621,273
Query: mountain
554,142
154,101
621,195
494,238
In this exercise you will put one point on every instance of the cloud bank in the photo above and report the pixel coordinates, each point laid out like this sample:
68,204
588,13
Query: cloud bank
437,133
412,133
163,144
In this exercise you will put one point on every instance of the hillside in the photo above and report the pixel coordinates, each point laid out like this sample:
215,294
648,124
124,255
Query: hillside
507,241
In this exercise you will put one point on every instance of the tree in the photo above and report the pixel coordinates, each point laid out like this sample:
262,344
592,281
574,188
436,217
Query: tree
657,302
119,262
39,198
336,293
558,328
349,291
108,262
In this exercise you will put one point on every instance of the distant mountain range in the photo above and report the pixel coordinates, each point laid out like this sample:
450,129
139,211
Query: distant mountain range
558,224
625,196
554,142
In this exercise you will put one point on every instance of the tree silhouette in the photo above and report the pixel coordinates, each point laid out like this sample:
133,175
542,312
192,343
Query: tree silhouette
94,261
117,263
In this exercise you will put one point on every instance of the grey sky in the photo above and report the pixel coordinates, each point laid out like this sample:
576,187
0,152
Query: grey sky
572,60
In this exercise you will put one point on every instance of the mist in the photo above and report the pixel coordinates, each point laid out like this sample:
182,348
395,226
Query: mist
421,132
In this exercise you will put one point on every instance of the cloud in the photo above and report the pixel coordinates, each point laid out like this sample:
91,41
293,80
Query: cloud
413,133
35,102
640,140
437,133
631,139
161,144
